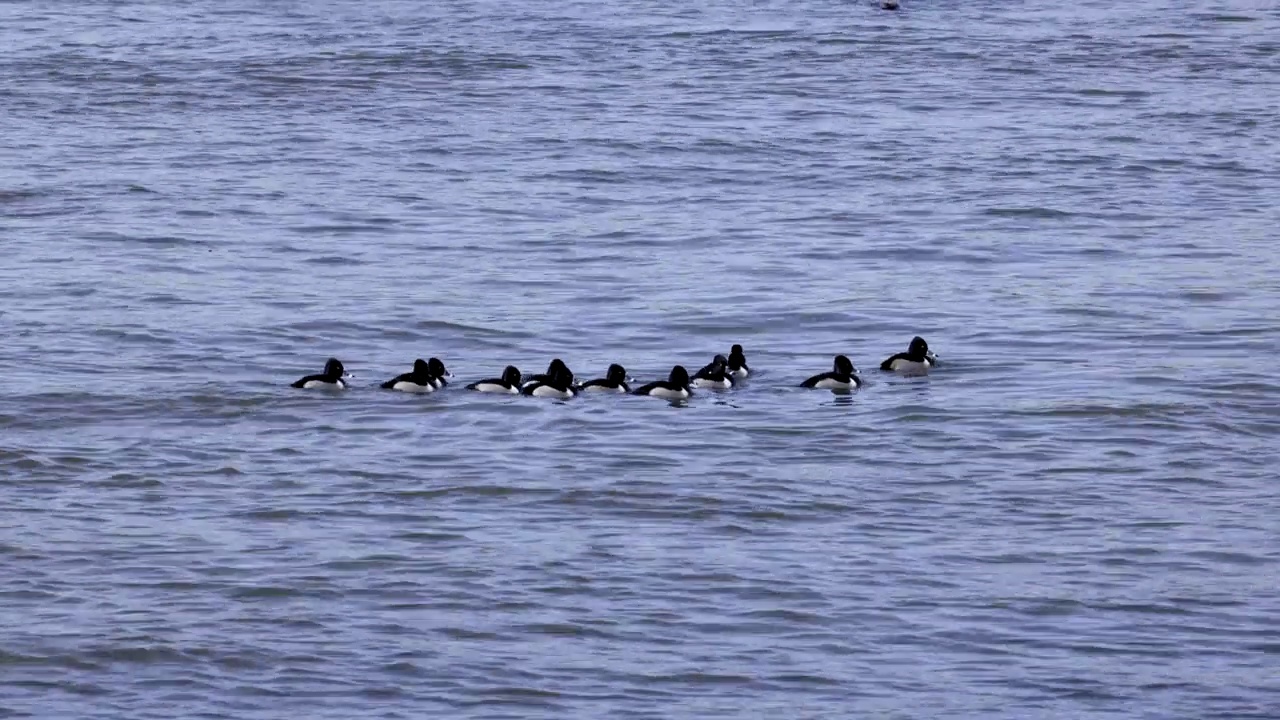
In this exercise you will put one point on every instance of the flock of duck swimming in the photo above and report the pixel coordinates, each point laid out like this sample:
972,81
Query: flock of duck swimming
722,373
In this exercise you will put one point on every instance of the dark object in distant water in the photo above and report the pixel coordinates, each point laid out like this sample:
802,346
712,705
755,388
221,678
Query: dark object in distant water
559,382
888,4
330,379
841,377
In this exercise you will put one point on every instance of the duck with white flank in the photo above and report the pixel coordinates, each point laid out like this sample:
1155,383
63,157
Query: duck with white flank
333,378
418,380
555,369
614,381
675,387
842,378
714,376
738,362
915,361
508,384
558,385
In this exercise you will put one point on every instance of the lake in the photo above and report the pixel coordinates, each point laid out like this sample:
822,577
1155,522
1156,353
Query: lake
1074,515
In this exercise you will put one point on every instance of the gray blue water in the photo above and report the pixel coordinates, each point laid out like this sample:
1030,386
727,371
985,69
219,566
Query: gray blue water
1075,203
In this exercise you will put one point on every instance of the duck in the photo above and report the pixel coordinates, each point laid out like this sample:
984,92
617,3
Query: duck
738,362
843,376
333,378
554,369
915,361
439,374
715,375
508,384
559,385
419,380
675,387
614,381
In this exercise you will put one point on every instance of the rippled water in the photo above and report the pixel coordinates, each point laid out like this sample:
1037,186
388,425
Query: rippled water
1075,516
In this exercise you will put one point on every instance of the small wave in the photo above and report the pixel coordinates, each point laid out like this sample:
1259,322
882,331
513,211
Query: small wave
149,240
334,260
168,299
1105,92
340,228
1230,558
1033,212
257,592
129,480
1226,18
14,196
701,679
807,679
272,514
135,337
567,630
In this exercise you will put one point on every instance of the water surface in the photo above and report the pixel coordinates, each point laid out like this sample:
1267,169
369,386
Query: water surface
1074,517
